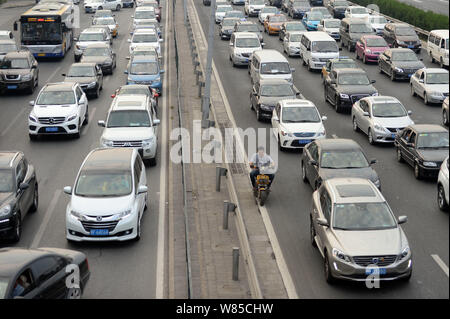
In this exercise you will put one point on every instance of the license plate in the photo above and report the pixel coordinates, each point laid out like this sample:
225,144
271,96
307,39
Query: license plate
246,60
51,129
376,271
392,135
409,75
99,232
304,141
410,46
12,87
41,54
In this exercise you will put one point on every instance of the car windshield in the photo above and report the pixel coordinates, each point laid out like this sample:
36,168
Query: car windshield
405,31
277,90
378,20
145,15
359,11
142,38
224,9
15,64
248,28
7,47
104,21
234,14
344,64
91,37
324,46
103,183
256,2
3,287
300,115
432,140
269,10
339,159
333,24
376,42
134,91
6,181
363,216
128,119
56,98
295,37
247,43
388,110
315,16
360,28
80,71
404,56
353,79
96,52
229,22
437,78
142,68
275,68
295,27
340,3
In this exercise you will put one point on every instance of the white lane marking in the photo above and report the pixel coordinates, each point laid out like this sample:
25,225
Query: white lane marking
441,264
91,116
53,74
13,122
48,214
160,256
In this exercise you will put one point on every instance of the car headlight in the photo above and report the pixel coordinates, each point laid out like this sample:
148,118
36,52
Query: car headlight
72,117
91,85
429,164
5,210
378,127
405,252
369,51
377,183
77,215
265,107
344,96
26,77
32,118
375,94
340,255
106,142
122,214
287,134
401,42
148,142
398,70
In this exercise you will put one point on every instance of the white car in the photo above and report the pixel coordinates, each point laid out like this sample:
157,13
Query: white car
221,11
443,185
242,46
253,7
90,36
266,11
60,108
296,123
357,12
109,197
143,37
380,117
90,6
377,22
330,26
131,122
144,15
291,43
431,84
109,22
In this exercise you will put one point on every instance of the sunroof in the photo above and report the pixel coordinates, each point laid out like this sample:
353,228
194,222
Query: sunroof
355,191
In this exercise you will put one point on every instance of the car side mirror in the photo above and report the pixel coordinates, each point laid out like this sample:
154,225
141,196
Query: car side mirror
373,161
161,40
101,123
156,121
129,40
373,81
292,69
366,114
412,145
324,118
75,39
231,44
126,71
323,222
142,189
162,71
409,112
63,74
31,103
402,219
34,66
68,190
263,44
421,81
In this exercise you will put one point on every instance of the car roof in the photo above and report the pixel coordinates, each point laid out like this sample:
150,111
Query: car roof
337,144
99,45
109,159
144,58
144,31
7,158
246,35
59,86
318,35
246,22
353,190
94,29
128,102
350,70
442,32
91,64
14,259
273,81
134,86
382,99
397,25
18,54
145,9
270,55
428,128
7,32
296,103
435,70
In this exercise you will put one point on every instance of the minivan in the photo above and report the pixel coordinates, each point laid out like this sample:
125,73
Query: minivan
438,47
352,29
316,48
269,64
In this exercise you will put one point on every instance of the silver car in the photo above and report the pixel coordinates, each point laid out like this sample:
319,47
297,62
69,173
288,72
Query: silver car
380,117
430,84
357,234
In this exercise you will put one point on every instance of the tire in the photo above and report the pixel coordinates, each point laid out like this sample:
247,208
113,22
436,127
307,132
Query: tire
280,147
309,67
327,270
417,172
425,99
441,63
35,204
118,7
337,106
258,114
138,230
263,197
399,156
370,137
78,134
100,8
413,93
86,117
442,203
431,57
30,90
444,118
304,177
312,232
18,229
73,293
152,161
355,125
392,76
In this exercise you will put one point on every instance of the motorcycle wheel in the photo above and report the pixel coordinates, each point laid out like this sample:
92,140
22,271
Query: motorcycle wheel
263,197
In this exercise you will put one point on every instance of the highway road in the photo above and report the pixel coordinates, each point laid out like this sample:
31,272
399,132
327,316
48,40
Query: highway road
118,270
437,6
288,205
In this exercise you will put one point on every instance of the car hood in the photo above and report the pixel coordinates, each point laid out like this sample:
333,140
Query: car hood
143,77
437,88
407,38
276,24
302,127
80,79
433,155
273,100
357,89
100,206
332,30
14,71
301,8
127,133
376,242
227,28
408,64
378,49
54,111
393,122
5,197
358,35
246,50
95,59
84,44
366,173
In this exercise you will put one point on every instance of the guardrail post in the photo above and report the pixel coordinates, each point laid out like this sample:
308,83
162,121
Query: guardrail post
220,171
235,263
198,74
227,207
200,85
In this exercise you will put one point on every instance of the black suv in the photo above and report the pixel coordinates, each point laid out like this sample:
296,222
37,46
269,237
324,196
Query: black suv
337,8
402,35
19,71
18,193
88,75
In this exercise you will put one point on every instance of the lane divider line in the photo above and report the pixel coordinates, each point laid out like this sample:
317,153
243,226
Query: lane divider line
440,263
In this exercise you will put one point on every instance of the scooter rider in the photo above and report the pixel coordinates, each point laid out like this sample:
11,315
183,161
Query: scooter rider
260,160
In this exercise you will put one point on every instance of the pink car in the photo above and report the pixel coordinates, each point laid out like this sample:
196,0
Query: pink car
369,48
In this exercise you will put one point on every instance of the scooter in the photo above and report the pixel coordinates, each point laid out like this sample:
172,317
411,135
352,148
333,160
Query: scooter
262,185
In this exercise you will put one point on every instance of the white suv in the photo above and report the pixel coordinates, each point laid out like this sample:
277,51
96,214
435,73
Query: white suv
143,37
60,108
94,5
242,46
109,197
443,197
253,7
131,123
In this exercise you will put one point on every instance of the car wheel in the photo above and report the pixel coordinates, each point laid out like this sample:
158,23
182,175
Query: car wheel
392,76
138,230
337,103
370,137
413,92
18,229
327,270
444,118
399,156
78,134
280,147
100,8
73,293
304,177
425,98
31,88
118,7
34,205
432,58
86,117
441,198
441,63
355,125
309,66
417,172
258,114
312,232
152,161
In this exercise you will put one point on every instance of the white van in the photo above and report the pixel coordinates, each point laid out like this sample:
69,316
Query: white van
316,48
269,64
438,47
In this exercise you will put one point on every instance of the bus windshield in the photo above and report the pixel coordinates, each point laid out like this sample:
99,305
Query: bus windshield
41,33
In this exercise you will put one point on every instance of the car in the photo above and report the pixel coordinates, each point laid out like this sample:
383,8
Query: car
356,12
252,7
290,26
42,273
18,193
110,22
242,45
143,37
153,4
109,197
6,35
266,93
128,3
437,47
424,147
275,3
265,12
139,89
316,2
443,186
325,13
445,115
351,30
297,8
90,6
144,15
249,26
338,8
19,70
402,35
330,26
147,26
7,46
90,36
328,158
89,75
145,70
344,87
431,84
311,20
380,117
291,43
227,27
369,48
297,122
102,55
336,64
145,50
378,23
272,24
399,64
237,2
60,108
345,215
269,64
221,10
105,13
235,14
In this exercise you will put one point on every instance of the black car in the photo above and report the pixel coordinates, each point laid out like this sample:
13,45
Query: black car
18,193
275,3
316,2
337,8
343,87
402,35
227,27
102,55
290,26
399,63
207,2
42,273
297,8
88,75
424,147
19,71
331,158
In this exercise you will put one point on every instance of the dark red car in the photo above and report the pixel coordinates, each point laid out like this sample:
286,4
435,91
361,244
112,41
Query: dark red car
369,48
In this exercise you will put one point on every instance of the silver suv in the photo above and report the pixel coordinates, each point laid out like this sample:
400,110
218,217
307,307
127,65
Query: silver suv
357,233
